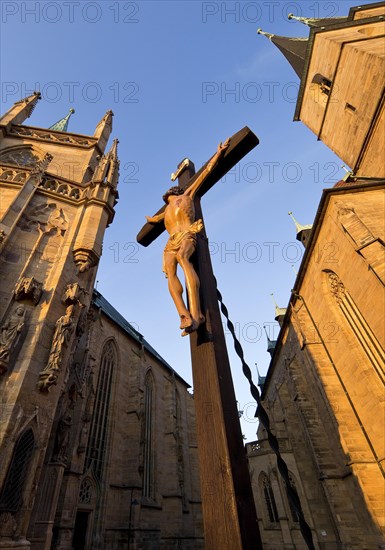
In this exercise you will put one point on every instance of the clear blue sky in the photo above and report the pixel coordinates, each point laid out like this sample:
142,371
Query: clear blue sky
180,77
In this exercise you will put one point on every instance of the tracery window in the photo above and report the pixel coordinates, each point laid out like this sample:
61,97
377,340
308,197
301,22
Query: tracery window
85,492
294,515
357,323
148,453
97,442
11,496
269,499
20,157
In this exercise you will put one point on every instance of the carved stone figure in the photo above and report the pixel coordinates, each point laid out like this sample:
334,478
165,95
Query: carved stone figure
73,294
87,415
28,288
179,220
8,524
64,328
9,335
56,220
44,218
62,438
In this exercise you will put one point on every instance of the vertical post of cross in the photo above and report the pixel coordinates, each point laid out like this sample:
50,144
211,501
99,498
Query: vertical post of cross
229,514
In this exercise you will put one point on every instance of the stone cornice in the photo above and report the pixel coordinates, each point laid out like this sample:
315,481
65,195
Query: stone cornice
53,186
52,136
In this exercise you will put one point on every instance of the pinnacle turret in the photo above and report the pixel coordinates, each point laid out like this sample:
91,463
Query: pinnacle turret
303,231
103,130
280,312
107,170
270,343
21,110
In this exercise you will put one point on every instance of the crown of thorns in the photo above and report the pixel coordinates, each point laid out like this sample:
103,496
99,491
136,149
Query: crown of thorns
176,190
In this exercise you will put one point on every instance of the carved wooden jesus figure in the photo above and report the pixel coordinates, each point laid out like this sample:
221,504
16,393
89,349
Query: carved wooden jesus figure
179,220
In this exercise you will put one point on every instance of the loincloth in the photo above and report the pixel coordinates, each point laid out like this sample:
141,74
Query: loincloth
176,239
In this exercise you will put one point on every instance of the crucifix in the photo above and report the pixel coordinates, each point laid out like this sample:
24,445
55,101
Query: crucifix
229,515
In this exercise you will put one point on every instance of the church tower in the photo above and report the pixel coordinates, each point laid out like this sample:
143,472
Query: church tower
58,192
341,96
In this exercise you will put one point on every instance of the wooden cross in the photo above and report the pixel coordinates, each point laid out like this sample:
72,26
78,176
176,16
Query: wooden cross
229,515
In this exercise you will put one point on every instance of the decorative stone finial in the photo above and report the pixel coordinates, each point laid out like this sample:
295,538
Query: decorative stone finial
267,34
304,20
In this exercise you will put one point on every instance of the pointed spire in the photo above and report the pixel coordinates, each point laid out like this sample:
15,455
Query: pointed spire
314,22
62,124
270,343
20,110
103,130
303,231
280,312
294,49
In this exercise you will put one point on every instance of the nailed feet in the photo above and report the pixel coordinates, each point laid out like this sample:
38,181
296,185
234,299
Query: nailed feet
192,325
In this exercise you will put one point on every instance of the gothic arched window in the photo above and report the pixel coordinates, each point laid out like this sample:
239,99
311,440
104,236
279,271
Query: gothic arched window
293,511
294,514
11,496
269,499
21,156
86,491
98,434
148,452
357,323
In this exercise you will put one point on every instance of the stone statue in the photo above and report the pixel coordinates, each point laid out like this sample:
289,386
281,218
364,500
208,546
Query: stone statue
61,338
56,220
9,335
62,438
179,220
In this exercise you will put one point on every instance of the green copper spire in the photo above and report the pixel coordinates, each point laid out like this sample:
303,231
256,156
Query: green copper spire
62,124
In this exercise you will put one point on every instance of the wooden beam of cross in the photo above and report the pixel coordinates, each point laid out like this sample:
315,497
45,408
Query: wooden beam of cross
241,143
229,514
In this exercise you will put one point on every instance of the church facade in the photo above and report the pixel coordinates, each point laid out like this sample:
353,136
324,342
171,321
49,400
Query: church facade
324,390
97,439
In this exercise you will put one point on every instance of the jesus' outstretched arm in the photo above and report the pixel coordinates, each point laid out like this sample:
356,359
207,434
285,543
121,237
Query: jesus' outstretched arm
191,191
155,219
